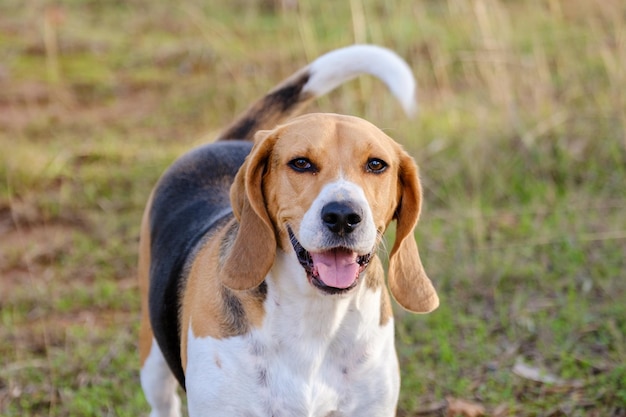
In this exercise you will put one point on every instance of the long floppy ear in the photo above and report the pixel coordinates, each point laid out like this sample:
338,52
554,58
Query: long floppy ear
408,282
252,252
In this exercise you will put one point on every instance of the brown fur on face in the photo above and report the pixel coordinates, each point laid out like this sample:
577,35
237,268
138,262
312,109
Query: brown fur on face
268,195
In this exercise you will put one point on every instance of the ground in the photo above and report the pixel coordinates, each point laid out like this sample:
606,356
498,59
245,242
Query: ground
521,142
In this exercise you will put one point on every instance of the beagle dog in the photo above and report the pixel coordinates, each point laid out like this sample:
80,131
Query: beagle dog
262,292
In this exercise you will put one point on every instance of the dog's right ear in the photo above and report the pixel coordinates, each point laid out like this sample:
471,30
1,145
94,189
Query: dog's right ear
251,255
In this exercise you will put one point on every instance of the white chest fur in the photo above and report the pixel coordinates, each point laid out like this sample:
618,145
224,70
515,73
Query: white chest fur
315,356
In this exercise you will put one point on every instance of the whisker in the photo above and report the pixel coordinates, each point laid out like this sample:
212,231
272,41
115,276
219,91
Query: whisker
382,245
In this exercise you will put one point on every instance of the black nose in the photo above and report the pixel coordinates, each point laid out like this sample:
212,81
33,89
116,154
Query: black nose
340,218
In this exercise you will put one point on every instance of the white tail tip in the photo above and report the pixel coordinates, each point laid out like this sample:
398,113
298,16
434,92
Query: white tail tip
336,67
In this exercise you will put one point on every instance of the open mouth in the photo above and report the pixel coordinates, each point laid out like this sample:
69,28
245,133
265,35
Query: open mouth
334,271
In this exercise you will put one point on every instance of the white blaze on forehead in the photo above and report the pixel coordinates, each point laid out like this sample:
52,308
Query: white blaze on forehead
314,234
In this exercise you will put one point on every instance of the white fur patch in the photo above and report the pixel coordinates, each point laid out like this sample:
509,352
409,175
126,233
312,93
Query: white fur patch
313,234
315,355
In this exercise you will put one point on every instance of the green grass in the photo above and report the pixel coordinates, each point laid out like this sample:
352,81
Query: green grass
521,140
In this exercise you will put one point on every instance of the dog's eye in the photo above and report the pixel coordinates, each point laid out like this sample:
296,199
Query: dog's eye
302,165
376,165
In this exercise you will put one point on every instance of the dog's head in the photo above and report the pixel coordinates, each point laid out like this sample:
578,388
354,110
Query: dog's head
325,187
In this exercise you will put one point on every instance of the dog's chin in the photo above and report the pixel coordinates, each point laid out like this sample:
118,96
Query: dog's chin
333,271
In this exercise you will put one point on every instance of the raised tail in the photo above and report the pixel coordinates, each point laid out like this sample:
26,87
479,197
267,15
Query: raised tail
320,77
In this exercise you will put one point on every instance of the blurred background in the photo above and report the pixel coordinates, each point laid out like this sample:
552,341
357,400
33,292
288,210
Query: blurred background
521,141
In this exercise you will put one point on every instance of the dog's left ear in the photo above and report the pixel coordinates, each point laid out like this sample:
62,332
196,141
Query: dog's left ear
251,255
408,282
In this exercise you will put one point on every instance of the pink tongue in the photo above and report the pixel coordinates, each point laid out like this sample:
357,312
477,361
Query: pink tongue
336,268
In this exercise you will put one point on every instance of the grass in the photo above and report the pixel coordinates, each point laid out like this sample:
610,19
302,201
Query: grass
521,140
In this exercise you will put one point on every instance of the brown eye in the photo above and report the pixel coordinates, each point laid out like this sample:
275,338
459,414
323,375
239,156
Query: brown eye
302,165
376,165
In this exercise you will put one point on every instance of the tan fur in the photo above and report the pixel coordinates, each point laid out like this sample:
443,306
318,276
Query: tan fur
408,281
205,297
143,270
255,238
